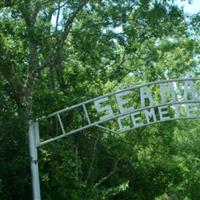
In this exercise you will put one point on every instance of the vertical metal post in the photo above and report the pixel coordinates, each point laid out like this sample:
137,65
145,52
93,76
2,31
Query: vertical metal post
33,143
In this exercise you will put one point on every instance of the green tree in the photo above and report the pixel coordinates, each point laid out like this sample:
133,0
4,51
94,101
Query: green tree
56,53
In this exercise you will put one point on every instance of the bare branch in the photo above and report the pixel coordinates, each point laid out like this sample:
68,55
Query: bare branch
108,176
92,160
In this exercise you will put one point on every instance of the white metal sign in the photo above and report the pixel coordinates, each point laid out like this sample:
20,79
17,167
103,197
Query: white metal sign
136,106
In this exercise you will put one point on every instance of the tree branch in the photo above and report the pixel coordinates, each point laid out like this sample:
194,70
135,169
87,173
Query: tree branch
133,142
58,15
92,160
108,176
19,92
67,28
69,22
6,69
35,12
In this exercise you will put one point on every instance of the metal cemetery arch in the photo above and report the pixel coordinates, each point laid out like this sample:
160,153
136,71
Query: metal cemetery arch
129,108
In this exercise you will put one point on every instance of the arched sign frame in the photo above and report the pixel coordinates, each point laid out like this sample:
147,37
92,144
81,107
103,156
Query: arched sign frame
185,99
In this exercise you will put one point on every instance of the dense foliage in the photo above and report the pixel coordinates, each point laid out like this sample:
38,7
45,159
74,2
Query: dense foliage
56,53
